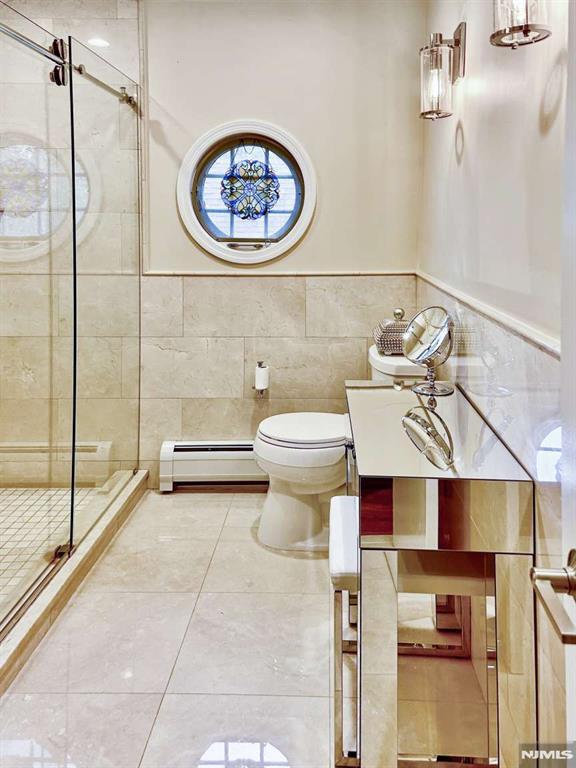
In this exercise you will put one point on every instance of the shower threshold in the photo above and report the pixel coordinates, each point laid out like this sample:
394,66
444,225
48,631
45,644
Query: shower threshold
29,618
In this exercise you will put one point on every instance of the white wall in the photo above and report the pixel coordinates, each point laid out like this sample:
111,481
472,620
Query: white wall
492,218
492,203
340,75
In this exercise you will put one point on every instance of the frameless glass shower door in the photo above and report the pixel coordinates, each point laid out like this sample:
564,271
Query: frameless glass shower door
69,300
36,279
105,130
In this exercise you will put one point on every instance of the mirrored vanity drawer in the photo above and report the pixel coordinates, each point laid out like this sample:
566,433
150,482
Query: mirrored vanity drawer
450,514
447,659
446,633
482,501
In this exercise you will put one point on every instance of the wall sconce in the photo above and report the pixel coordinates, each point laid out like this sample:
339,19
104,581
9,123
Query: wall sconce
442,63
519,22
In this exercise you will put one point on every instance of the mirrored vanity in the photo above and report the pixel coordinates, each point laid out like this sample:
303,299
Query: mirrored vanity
446,669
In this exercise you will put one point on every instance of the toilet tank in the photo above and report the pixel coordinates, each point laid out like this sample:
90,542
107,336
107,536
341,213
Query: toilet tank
393,367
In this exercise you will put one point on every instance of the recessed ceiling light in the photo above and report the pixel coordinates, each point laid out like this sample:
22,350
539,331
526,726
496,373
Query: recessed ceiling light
98,42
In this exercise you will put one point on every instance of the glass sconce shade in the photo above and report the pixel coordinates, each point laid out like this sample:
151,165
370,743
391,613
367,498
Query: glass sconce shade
519,22
436,81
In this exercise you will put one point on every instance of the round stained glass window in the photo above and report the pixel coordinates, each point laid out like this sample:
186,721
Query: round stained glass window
248,190
246,195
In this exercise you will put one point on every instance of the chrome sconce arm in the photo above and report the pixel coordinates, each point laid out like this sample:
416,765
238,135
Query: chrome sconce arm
548,583
458,45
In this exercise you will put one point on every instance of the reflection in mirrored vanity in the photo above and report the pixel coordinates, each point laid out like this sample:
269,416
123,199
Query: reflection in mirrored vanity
446,652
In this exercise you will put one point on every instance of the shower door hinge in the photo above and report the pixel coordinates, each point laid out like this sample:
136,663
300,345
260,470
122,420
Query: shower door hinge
59,75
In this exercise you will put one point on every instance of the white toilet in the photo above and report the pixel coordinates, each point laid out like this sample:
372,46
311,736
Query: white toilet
304,455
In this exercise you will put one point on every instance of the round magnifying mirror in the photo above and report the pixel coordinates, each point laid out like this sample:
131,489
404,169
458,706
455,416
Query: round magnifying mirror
430,434
428,341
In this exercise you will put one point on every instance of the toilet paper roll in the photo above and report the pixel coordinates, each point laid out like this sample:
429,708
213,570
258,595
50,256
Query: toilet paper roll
261,377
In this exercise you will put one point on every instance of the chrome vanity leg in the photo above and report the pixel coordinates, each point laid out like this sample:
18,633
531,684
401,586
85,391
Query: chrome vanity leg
341,647
338,681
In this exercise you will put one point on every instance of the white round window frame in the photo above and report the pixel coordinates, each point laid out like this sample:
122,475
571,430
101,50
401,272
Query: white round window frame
187,174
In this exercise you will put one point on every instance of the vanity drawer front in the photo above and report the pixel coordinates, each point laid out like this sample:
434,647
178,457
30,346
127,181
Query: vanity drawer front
443,669
447,514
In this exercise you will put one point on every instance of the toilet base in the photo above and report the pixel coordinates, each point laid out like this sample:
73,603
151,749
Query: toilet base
292,520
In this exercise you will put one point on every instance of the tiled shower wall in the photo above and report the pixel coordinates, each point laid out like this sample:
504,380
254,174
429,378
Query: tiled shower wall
115,21
202,337
36,295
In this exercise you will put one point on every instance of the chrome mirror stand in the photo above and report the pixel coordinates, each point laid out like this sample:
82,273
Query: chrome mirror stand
428,341
432,388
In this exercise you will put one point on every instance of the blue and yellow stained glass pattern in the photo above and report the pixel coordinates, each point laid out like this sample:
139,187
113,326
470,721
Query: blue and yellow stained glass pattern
250,189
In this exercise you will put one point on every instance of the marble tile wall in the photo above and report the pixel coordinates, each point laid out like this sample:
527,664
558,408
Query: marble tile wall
516,385
202,337
36,319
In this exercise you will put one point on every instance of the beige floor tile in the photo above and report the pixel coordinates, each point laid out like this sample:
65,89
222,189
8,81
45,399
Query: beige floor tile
241,564
80,730
245,510
110,644
256,644
183,500
292,731
145,564
416,622
379,722
176,517
447,728
428,679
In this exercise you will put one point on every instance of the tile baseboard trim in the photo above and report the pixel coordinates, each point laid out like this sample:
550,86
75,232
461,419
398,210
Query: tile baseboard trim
20,643
529,333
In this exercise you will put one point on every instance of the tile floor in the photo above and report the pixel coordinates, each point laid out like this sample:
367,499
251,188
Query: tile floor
33,521
188,645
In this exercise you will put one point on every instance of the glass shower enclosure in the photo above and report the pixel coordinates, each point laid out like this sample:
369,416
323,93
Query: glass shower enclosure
69,299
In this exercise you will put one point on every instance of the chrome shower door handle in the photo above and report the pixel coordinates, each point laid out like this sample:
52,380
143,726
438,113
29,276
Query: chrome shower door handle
548,583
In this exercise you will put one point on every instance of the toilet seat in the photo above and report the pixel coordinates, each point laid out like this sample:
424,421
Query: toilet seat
306,431
295,456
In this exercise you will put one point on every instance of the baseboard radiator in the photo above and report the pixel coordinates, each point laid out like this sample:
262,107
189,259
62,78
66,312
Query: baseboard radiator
208,461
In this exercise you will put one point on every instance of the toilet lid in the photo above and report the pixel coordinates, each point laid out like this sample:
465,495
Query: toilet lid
306,430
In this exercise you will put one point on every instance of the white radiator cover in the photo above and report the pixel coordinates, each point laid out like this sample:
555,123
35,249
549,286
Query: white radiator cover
208,461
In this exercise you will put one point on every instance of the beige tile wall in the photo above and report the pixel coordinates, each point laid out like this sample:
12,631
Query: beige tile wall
36,294
202,337
113,20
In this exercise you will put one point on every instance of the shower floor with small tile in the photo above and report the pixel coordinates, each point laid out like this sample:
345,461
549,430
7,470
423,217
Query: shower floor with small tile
33,522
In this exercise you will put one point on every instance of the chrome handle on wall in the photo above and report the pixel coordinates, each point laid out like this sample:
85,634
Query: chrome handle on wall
548,583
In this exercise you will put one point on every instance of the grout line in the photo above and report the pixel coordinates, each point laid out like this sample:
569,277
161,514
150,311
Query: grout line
182,292
159,693
162,694
305,307
198,593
